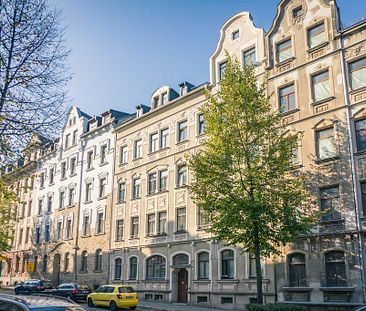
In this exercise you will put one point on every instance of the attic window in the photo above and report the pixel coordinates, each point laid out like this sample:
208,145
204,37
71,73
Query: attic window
235,35
297,12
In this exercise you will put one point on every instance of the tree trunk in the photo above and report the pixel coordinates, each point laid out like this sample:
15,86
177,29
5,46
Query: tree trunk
258,267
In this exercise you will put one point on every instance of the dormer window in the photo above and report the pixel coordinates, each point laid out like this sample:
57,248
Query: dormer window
235,35
297,12
139,111
164,98
156,102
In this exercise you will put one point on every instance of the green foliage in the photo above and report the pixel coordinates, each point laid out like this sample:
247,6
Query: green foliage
273,307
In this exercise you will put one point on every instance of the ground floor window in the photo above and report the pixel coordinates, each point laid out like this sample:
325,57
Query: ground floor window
117,268
155,267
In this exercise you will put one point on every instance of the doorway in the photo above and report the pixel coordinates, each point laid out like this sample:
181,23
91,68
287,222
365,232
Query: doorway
183,285
56,270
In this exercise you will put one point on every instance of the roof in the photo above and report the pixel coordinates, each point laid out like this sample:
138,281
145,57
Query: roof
82,114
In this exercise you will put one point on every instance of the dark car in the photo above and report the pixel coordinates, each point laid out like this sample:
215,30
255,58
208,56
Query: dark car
72,291
38,302
33,286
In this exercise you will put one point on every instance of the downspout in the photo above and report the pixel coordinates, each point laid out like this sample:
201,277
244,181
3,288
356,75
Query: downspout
361,247
79,211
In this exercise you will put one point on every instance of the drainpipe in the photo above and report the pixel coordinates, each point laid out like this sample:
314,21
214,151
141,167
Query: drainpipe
79,211
353,165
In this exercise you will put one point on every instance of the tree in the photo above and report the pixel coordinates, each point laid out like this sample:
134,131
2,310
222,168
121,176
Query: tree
33,74
242,177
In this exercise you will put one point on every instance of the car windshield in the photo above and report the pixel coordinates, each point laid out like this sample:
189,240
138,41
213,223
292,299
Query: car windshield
85,287
76,308
126,289
31,282
47,283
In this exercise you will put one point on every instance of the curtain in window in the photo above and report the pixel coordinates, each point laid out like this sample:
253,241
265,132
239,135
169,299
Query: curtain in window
321,88
326,144
358,74
316,36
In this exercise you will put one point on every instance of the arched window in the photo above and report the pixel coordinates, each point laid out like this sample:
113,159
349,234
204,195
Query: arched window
44,263
133,268
67,262
296,269
335,269
203,265
155,267
98,260
227,264
180,260
117,268
84,261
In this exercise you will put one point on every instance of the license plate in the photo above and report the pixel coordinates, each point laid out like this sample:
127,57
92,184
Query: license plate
85,291
129,297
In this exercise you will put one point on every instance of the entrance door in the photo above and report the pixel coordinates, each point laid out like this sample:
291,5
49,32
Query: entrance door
56,270
183,285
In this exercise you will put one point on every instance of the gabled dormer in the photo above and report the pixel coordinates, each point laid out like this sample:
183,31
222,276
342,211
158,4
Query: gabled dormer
241,38
162,96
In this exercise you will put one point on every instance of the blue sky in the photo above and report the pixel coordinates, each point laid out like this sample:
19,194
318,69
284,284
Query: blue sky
122,50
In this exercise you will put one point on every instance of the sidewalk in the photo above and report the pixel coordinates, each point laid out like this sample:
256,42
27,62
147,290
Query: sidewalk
166,306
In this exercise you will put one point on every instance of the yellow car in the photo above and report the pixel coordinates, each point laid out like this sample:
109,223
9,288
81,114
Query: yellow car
114,297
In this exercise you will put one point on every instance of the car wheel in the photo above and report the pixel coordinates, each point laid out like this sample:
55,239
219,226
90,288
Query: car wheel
16,292
113,306
90,302
68,297
133,308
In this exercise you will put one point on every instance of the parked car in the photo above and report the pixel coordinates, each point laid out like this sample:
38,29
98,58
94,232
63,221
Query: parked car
33,286
38,302
359,308
114,297
72,291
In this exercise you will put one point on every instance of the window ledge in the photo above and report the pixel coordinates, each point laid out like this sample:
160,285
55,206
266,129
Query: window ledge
87,202
138,158
227,281
122,164
360,152
180,232
51,184
85,236
121,202
284,62
119,240
155,281
322,101
338,289
102,198
89,169
202,281
99,233
72,175
134,238
180,187
318,161
329,222
284,114
102,164
360,89
98,271
318,47
63,178
297,289
135,198
182,142
83,272
71,205
132,281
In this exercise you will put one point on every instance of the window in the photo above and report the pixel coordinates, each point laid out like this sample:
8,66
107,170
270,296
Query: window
155,267
154,142
136,183
117,268
133,268
360,127
297,12
49,204
138,149
320,86
295,157
134,227
89,160
152,183
62,199
63,170
202,299
102,185
156,102
123,155
84,261
164,138
203,266
227,264
27,234
73,166
67,262
164,98
119,229
180,259
182,176
68,228
88,190
182,131
51,176
297,273
325,144
121,191
86,225
329,203
44,263
163,180
316,35
201,219
47,233
67,141
150,230
74,137
29,213
335,269
41,180
363,197
358,73
287,98
100,223
249,57
201,124
181,219
235,35
98,260
59,230
284,50
103,154
71,196
23,210
20,236
222,68
40,203
161,222
225,300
